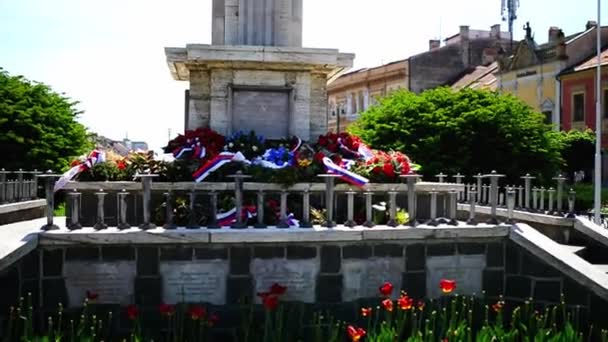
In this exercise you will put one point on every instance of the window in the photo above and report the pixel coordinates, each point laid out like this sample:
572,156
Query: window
548,116
578,107
361,102
605,103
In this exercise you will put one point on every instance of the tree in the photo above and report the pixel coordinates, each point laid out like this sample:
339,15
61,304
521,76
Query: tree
39,127
467,131
578,149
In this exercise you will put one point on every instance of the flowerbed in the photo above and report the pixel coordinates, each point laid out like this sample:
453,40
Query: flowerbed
451,318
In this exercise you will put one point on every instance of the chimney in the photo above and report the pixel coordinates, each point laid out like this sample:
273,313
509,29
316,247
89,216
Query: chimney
464,32
465,46
434,44
553,34
489,55
560,49
590,24
495,31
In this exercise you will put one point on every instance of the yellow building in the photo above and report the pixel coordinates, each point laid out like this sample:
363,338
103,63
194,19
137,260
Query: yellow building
531,72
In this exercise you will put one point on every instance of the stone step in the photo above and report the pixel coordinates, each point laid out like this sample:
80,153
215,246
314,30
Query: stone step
573,249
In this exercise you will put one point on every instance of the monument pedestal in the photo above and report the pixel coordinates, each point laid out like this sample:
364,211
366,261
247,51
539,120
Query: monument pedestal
276,91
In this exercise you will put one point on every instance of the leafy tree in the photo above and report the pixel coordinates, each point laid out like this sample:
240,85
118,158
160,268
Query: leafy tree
466,131
39,127
578,150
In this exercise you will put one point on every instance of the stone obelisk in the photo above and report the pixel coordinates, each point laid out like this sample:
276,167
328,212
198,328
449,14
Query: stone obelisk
256,75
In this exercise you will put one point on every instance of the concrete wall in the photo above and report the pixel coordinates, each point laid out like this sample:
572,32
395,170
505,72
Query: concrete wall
439,67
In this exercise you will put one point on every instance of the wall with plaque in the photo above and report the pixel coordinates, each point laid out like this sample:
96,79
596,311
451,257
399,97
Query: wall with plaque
194,281
466,270
361,278
300,277
112,282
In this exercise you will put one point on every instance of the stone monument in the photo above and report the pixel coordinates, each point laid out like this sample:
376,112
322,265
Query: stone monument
256,75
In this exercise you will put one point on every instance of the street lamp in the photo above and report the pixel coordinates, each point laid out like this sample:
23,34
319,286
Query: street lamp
598,122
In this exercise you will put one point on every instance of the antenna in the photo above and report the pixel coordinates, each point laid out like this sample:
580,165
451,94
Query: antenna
440,30
508,10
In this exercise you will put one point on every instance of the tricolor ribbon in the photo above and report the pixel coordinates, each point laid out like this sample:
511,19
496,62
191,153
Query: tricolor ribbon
229,217
94,158
362,152
298,144
217,162
190,146
344,174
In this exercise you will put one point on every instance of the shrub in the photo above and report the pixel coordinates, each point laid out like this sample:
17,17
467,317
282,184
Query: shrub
468,131
578,150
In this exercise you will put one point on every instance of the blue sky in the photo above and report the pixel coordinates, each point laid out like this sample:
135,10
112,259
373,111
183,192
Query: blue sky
109,54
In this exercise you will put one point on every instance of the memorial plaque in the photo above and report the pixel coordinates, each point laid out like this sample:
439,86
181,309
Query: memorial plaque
265,112
111,281
466,270
300,277
194,281
362,278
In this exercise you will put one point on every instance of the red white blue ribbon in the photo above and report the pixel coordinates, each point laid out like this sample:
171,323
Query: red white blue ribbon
344,174
298,144
217,162
228,218
190,146
362,152
94,158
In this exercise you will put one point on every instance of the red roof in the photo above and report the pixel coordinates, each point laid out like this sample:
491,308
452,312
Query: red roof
592,62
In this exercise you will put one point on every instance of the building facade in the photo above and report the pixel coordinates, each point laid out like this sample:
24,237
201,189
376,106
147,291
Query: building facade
353,93
531,72
579,96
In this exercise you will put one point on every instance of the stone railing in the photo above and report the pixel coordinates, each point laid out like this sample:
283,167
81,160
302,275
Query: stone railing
425,202
18,186
486,191
431,203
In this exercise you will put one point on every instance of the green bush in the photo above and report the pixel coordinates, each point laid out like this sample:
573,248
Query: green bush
468,131
584,196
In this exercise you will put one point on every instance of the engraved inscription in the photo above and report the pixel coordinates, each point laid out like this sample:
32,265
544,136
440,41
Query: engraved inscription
193,282
112,282
466,270
300,277
362,278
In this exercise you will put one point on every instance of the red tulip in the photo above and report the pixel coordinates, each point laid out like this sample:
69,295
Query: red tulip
497,307
388,305
166,309
270,302
277,289
92,296
447,285
405,302
196,312
386,289
132,312
355,333
421,305
213,319
366,312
